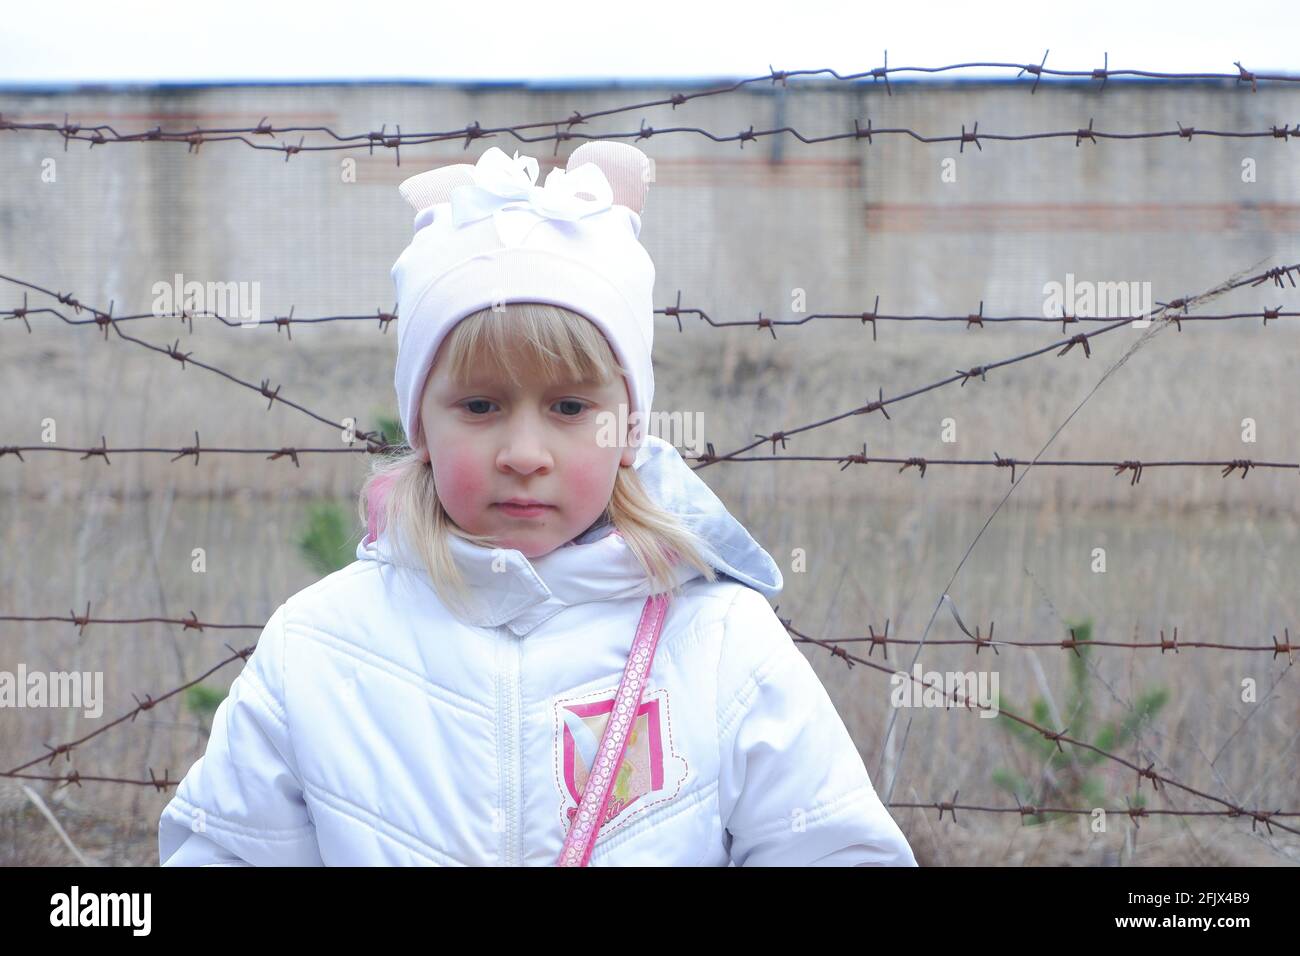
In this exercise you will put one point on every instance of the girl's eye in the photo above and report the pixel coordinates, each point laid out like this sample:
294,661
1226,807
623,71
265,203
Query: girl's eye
581,406
474,401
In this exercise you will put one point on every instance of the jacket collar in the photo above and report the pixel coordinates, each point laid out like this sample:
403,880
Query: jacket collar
598,565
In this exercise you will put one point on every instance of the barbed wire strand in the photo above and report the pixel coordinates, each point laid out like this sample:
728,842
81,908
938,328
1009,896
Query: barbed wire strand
195,138
973,136
979,642
1268,818
975,640
1157,779
373,439
148,703
1158,316
972,320
1130,466
1208,295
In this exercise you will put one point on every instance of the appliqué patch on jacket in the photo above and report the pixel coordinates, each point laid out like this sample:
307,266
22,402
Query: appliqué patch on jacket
651,772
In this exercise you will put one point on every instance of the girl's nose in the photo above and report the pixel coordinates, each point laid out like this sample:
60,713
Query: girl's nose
524,450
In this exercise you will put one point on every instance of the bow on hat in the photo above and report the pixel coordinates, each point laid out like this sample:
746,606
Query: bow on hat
507,190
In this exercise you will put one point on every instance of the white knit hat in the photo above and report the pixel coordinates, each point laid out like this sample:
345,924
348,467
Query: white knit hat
488,234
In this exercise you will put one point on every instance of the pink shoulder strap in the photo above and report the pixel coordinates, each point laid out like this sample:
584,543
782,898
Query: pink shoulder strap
581,838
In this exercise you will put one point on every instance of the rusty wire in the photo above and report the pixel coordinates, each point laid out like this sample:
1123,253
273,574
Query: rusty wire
1132,812
187,316
1236,280
148,703
973,136
970,319
975,319
194,139
1268,818
72,776
79,621
1148,773
1133,467
375,442
373,439
1276,274
290,453
883,640
1072,643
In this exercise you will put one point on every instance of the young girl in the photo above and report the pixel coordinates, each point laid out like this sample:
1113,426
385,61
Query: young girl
536,565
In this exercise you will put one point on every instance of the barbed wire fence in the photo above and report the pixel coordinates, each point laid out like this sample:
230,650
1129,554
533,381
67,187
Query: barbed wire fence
836,647
1171,313
104,134
1279,275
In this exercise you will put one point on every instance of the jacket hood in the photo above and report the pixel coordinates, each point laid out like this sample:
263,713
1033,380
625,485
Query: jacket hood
597,565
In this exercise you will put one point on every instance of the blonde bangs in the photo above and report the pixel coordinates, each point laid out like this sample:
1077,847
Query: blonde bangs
504,342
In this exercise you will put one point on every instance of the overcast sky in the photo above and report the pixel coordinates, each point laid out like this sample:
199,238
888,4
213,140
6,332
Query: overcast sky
142,40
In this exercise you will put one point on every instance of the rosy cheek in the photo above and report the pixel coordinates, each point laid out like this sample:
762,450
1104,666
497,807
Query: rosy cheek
461,477
588,479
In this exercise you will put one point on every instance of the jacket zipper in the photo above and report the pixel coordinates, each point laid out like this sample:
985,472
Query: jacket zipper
513,728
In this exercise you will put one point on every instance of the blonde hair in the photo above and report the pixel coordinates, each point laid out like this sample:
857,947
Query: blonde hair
400,492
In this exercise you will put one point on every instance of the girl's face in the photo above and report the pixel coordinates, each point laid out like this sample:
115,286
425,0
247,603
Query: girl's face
490,441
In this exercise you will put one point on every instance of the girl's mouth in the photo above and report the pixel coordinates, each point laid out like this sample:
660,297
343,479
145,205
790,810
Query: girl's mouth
524,511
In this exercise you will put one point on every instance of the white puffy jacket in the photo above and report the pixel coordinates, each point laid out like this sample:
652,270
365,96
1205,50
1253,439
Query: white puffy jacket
372,727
